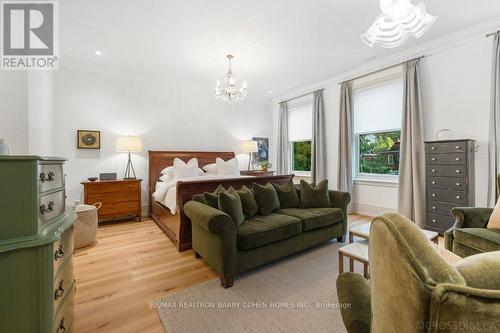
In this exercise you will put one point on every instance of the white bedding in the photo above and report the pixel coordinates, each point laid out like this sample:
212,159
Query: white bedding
166,192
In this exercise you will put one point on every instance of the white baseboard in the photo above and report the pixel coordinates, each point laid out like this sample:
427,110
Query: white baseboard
370,210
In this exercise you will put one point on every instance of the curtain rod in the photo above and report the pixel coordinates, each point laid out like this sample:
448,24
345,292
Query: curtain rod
382,69
303,95
492,33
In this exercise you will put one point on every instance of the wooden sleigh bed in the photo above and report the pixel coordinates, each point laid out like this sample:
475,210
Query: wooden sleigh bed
178,227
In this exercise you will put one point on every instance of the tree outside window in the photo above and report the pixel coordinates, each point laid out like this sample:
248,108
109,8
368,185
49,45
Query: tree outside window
301,158
379,153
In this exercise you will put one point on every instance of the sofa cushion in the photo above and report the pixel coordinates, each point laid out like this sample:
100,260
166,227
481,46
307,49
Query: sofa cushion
266,198
314,218
212,199
261,230
230,203
480,238
248,202
287,195
314,196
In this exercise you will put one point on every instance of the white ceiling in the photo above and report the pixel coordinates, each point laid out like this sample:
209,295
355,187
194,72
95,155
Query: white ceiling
278,44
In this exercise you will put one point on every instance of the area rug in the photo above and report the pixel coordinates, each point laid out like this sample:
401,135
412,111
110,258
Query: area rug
295,294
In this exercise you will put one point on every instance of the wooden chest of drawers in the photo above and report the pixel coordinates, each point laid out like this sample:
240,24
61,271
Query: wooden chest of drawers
450,180
36,246
119,198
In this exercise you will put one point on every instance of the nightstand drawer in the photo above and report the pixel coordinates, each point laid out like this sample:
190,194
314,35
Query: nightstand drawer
50,176
112,197
119,208
450,159
112,187
51,206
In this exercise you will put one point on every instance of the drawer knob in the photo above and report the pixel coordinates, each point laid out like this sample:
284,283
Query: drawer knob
59,291
457,171
458,184
457,159
433,170
433,183
61,328
434,207
457,147
458,197
433,148
434,220
48,209
433,158
59,253
433,194
47,178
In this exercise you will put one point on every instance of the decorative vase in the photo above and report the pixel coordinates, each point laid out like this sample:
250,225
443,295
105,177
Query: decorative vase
4,149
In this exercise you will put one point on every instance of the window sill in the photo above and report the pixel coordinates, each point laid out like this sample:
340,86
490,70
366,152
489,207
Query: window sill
384,182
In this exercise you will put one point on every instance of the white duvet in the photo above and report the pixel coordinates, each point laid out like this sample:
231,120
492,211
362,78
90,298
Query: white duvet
166,192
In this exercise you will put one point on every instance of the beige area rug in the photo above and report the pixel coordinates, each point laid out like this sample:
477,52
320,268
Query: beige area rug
295,294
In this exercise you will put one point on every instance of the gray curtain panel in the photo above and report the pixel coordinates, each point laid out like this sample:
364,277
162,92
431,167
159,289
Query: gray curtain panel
318,148
345,139
411,198
494,138
283,165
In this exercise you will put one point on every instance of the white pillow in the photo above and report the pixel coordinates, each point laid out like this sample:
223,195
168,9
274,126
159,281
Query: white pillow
229,168
211,168
166,178
168,171
185,170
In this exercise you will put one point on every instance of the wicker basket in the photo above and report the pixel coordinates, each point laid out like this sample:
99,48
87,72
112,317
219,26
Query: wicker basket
86,225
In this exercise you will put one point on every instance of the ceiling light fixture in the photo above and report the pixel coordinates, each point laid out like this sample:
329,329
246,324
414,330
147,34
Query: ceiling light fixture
229,92
399,20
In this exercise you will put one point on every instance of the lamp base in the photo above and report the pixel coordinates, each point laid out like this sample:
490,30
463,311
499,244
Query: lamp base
250,162
129,170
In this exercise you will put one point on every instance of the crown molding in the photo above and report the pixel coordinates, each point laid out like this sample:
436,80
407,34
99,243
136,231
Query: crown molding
428,49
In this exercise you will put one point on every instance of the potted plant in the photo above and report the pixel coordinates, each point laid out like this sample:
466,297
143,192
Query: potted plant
265,165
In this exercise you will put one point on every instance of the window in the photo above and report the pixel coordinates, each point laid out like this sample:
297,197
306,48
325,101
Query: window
300,136
377,111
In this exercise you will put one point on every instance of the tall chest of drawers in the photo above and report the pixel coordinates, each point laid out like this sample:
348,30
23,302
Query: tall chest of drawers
36,246
450,180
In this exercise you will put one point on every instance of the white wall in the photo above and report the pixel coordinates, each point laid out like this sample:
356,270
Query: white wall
167,116
40,113
455,89
14,110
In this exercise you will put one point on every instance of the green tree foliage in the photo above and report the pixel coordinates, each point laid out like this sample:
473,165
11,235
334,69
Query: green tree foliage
372,158
302,156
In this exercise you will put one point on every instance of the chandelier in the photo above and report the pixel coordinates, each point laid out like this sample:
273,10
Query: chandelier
399,20
229,92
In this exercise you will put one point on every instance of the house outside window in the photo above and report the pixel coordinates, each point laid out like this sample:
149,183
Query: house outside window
377,113
300,137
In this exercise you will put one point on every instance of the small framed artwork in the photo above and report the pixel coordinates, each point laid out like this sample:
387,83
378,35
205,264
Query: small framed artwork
262,153
86,139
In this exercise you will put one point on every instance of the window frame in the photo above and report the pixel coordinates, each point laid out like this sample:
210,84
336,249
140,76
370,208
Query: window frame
298,172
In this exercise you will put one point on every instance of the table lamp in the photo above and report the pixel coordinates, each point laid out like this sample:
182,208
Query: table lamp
129,144
249,147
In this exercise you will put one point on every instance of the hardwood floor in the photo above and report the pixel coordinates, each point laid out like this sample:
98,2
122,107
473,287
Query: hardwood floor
132,265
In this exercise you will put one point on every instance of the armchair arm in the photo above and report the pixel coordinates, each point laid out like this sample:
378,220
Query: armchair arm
467,217
340,200
209,219
355,302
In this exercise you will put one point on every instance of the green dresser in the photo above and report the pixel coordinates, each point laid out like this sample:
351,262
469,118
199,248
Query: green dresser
36,246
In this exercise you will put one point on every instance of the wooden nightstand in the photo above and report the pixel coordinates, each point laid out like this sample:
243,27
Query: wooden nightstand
119,198
256,173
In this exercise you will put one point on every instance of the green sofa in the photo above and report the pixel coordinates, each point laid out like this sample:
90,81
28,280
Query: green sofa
412,288
262,239
469,234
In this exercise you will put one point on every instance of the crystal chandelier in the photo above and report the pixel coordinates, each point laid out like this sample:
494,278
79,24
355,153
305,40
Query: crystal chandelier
229,92
399,20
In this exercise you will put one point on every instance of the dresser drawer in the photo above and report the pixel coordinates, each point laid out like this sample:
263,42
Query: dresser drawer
119,208
63,282
458,197
50,176
446,147
443,222
442,208
112,187
112,197
451,159
445,183
63,319
51,206
62,249
446,171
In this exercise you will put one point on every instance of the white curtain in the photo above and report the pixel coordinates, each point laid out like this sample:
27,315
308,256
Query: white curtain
494,139
283,165
345,139
318,148
411,197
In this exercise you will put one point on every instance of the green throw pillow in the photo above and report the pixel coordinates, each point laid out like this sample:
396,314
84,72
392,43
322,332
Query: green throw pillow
287,195
212,199
248,203
266,197
230,203
314,196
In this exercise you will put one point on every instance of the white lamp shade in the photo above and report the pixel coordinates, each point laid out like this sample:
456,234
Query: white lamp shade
125,144
248,146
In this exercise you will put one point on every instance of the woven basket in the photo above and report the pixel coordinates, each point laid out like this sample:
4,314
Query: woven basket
86,225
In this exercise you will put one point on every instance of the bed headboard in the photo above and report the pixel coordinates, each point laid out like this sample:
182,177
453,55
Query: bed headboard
159,160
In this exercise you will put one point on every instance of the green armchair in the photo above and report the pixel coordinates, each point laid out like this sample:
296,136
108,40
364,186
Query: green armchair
469,234
414,289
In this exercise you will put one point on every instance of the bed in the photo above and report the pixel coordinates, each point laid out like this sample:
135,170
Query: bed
174,223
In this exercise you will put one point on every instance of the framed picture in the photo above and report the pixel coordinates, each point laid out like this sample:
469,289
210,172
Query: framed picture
262,153
86,139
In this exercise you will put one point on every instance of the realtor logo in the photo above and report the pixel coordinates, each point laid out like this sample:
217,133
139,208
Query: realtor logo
29,35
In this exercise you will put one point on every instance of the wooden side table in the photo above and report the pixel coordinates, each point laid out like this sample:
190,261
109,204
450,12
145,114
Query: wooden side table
256,173
119,198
